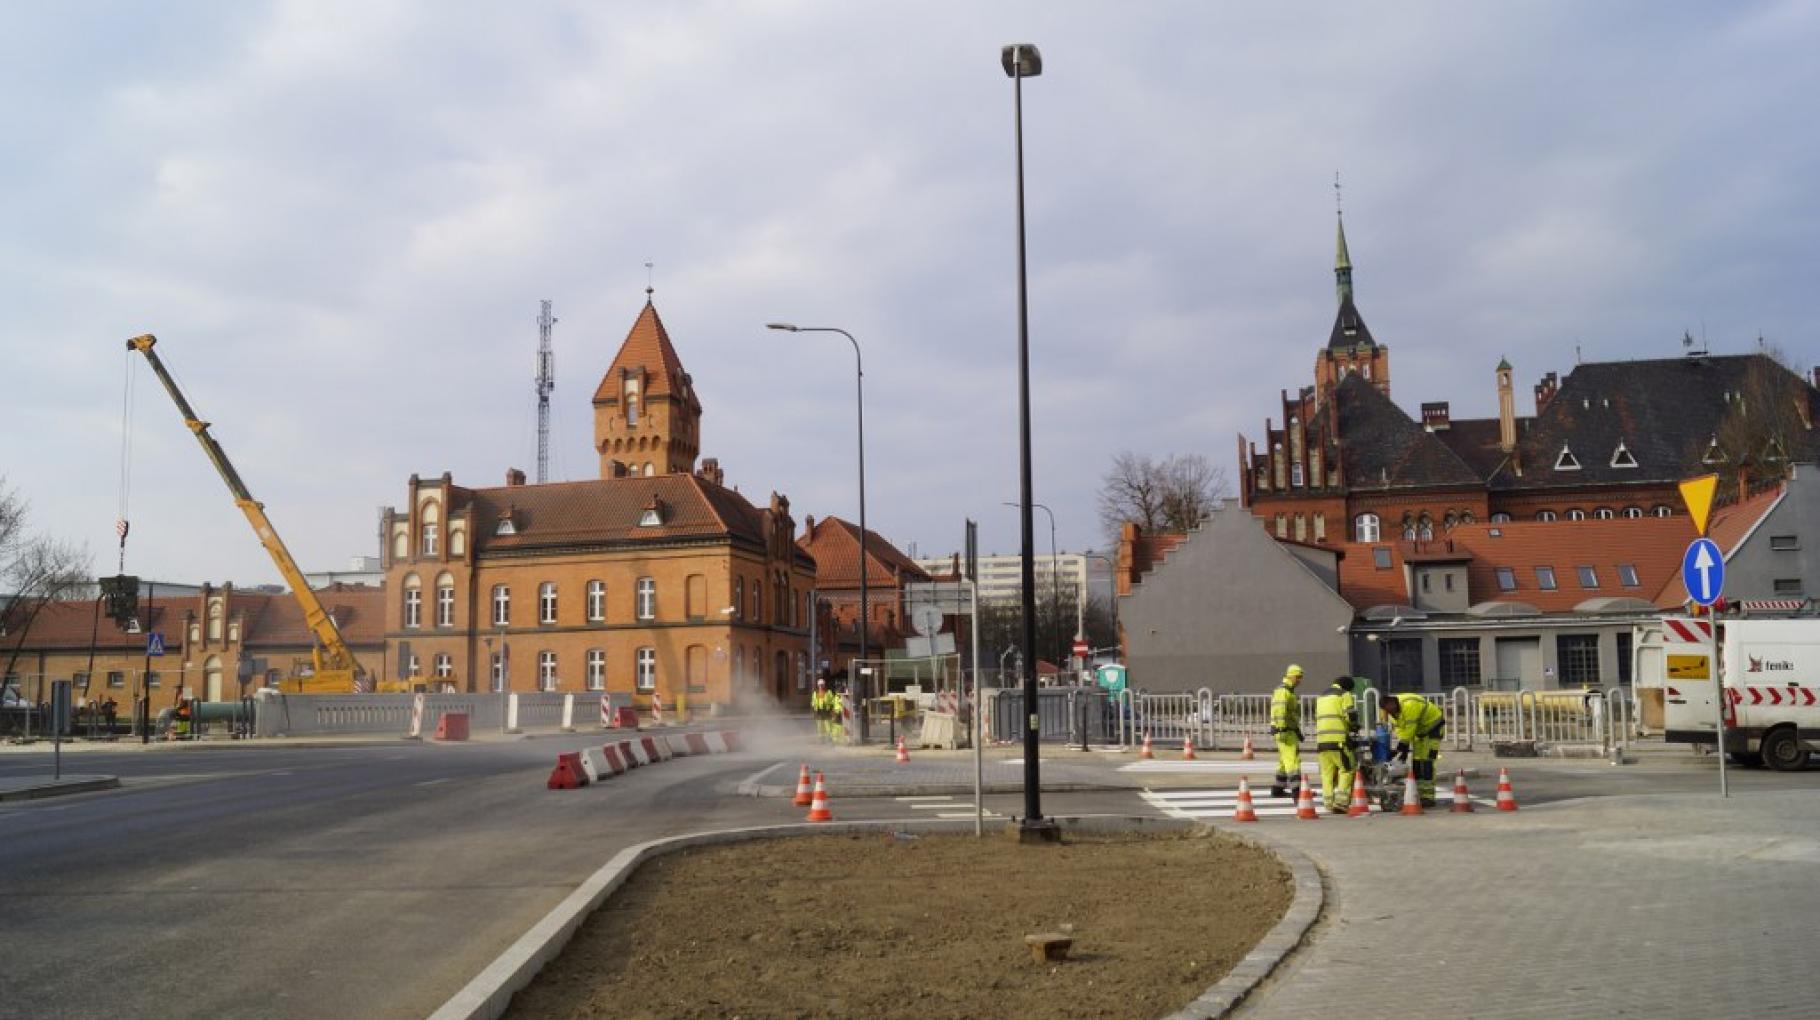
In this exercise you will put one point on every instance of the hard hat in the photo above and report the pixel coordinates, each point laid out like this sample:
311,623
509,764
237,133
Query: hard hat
1293,673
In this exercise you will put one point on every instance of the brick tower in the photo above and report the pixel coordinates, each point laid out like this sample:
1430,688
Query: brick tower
647,420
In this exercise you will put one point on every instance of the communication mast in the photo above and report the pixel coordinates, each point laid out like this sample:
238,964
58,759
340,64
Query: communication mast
546,381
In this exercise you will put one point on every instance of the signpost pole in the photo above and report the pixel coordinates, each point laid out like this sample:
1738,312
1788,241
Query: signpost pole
1719,697
1703,575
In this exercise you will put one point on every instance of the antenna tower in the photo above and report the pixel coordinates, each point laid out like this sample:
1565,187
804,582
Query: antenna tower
546,381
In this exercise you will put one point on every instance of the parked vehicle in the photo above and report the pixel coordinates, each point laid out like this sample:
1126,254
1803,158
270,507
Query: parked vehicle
1769,671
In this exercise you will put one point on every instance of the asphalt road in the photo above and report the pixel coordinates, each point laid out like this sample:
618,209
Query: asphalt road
375,881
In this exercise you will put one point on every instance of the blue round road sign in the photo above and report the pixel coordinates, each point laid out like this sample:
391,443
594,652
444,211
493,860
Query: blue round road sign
1703,571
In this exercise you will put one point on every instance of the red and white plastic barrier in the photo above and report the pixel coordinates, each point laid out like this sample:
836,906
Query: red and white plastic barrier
576,769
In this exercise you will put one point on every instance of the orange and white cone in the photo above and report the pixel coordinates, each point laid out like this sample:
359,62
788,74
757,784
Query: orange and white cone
1146,753
1462,800
1244,812
1304,802
1187,748
1507,800
1361,802
803,793
1247,754
1412,797
818,807
903,753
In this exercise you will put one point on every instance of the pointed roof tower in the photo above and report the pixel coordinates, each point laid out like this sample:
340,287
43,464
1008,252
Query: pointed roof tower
1349,328
646,416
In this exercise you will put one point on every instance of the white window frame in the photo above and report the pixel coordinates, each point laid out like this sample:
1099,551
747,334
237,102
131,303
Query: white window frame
444,665
1604,513
546,602
1632,513
644,669
1622,457
645,599
597,601
413,608
428,539
497,670
597,669
502,605
445,605
412,667
1566,461
546,671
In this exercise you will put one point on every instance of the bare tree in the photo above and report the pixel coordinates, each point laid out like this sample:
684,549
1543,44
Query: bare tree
1764,427
1175,493
35,570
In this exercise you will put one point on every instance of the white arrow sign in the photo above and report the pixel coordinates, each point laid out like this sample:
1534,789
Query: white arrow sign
1703,564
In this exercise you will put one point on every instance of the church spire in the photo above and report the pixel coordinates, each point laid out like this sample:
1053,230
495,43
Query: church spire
1342,260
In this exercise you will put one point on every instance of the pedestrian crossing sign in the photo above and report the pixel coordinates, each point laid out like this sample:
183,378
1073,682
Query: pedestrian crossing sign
154,643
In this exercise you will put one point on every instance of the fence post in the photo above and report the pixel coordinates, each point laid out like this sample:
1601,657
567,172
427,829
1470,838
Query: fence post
568,713
1461,700
512,713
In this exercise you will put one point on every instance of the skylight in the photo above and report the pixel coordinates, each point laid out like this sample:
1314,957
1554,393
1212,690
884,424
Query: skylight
1507,579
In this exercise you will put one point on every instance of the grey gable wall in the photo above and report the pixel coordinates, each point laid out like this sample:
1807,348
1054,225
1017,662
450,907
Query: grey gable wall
1228,609
1753,567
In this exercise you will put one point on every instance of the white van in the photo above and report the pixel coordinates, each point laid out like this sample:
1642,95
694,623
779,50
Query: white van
1770,670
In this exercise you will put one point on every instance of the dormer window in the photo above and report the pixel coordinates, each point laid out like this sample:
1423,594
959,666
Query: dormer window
1566,461
1774,452
1621,457
505,527
1713,454
653,516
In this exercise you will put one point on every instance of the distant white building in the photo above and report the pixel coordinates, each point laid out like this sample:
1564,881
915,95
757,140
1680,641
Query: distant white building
1001,577
361,570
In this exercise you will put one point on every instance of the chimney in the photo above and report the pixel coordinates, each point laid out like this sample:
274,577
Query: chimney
1546,390
1507,409
1434,416
514,478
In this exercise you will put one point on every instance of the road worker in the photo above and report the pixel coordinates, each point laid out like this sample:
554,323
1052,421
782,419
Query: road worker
1286,729
182,718
1417,724
1336,720
837,717
821,704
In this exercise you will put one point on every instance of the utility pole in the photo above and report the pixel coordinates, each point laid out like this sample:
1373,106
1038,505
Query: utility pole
546,381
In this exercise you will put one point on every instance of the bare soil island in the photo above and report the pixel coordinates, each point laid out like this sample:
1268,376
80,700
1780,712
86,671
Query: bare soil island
927,927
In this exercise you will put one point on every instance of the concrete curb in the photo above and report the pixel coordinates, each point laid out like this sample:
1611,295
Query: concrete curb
488,995
59,788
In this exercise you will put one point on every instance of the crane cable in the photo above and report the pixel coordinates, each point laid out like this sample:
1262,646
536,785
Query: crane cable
121,524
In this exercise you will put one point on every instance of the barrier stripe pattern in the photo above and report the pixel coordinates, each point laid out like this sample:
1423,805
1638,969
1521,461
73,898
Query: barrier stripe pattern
592,765
1687,632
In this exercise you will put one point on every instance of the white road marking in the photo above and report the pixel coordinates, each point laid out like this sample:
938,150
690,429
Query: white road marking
432,782
909,800
944,806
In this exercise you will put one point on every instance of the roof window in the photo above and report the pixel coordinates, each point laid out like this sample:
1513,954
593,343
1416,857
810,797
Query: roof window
1545,578
1507,579
1380,557
1621,457
653,516
1566,461
1589,577
505,527
1713,454
1627,575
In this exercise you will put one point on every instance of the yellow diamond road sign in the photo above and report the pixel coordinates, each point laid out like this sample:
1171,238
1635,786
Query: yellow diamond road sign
1697,493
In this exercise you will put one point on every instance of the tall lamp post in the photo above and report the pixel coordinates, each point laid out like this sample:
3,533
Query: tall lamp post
1112,568
859,389
1055,573
1020,61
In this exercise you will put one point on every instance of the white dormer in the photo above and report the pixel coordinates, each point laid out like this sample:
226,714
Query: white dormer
1566,461
1622,458
1713,454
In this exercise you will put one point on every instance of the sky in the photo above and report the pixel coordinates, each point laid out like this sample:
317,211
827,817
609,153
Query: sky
339,219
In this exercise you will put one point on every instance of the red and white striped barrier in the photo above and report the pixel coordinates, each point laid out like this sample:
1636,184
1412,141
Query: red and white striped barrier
597,764
614,762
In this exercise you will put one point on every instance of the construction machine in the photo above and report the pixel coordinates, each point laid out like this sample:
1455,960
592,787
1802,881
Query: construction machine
331,667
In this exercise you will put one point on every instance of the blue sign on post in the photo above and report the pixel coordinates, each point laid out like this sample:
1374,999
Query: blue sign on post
154,643
1703,571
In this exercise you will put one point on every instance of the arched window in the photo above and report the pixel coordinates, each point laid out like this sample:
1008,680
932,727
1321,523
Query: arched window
1546,515
502,605
428,533
1603,513
1466,517
1576,514
1409,526
214,619
1425,527
1633,512
1500,518
1365,528
413,601
445,601
1664,510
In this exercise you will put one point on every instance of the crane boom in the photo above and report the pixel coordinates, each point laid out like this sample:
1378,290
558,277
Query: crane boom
335,664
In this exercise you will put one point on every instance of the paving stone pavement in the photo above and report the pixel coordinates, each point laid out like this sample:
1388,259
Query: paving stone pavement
1673,905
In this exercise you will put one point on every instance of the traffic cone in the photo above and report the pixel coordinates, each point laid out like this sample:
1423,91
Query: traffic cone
803,793
1304,802
1187,748
818,807
1146,753
1244,812
1361,803
1247,754
1462,800
1412,797
1507,800
903,753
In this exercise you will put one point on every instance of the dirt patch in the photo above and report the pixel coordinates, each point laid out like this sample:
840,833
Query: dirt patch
931,927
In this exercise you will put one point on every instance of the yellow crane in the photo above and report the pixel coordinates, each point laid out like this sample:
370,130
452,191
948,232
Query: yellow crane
333,668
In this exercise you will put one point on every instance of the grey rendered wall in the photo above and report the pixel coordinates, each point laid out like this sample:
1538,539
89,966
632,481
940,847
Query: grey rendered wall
1753,568
1228,609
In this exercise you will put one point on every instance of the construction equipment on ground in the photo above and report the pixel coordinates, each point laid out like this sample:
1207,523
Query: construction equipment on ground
331,668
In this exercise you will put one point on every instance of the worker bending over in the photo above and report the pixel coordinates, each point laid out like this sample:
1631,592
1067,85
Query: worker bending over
1417,724
1286,730
1336,720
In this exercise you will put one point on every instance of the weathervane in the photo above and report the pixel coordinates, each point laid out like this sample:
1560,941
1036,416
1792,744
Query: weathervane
650,286
1338,207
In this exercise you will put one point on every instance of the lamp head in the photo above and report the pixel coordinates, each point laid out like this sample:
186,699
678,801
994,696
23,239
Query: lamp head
785,326
1021,60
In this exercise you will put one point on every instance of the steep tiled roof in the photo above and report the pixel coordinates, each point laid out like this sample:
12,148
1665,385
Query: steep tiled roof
607,510
647,345
834,543
65,625
1475,441
1385,448
1349,327
268,621
1651,545
1665,411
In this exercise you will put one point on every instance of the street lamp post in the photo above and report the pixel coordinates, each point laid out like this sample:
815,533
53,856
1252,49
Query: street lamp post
1020,61
1114,594
1055,576
859,389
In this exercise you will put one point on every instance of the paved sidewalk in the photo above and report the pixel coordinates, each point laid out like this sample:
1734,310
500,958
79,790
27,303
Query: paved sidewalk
1671,905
